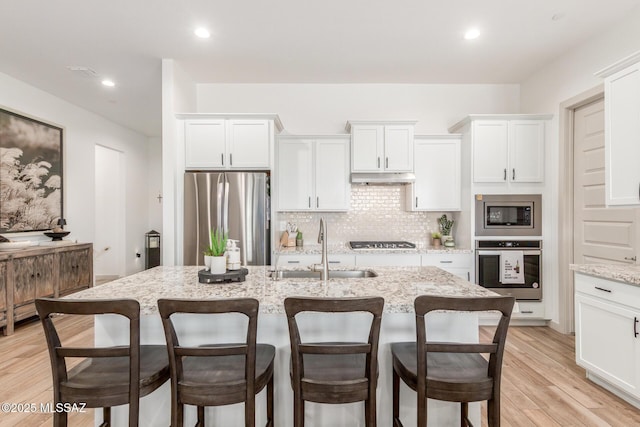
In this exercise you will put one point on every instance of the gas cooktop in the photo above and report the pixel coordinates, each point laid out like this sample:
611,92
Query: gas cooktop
382,245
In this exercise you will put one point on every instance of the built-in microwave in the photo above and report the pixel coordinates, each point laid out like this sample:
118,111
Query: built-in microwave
508,215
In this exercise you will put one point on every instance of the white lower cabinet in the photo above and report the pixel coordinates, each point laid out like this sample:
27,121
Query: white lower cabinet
459,264
335,260
608,333
381,260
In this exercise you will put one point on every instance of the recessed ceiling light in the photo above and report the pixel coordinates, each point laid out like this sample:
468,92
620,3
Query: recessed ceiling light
472,33
203,33
108,83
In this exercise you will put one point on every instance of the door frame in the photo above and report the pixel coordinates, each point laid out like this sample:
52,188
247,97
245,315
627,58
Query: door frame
565,206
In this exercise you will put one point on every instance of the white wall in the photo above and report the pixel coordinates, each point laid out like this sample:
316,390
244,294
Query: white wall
83,130
154,179
571,75
325,108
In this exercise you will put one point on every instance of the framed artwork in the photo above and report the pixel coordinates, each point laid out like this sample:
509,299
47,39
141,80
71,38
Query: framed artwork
30,173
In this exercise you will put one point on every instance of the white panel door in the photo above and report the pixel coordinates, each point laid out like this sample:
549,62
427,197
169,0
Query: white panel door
526,151
622,98
205,144
398,148
295,175
333,190
367,148
437,170
490,145
249,144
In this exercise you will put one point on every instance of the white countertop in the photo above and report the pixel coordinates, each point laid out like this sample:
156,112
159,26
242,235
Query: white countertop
399,286
622,273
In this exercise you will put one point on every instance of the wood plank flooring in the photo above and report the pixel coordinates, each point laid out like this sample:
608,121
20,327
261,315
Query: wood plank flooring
542,386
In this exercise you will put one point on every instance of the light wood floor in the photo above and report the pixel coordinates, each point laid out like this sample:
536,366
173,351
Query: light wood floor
541,386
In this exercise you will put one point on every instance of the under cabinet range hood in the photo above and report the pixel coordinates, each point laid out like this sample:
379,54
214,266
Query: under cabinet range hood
386,178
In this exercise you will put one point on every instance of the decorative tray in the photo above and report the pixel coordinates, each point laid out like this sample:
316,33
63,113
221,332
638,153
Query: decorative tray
205,276
56,235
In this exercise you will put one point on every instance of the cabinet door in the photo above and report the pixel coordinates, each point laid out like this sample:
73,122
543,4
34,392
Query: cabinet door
295,175
74,270
622,137
437,170
398,148
367,148
47,274
24,280
526,151
490,144
333,190
249,143
205,144
605,341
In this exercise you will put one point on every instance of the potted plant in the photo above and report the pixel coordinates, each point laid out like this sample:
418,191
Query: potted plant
446,225
214,259
435,239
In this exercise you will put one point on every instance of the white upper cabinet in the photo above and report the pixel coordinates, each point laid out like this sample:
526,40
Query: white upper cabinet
438,174
622,131
312,173
218,141
381,146
506,148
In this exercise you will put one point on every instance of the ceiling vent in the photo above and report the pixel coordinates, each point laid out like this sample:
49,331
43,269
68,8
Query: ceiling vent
81,71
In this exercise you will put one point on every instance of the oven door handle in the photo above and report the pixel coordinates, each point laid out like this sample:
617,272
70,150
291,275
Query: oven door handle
498,251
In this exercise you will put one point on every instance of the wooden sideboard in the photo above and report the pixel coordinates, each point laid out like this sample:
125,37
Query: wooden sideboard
41,271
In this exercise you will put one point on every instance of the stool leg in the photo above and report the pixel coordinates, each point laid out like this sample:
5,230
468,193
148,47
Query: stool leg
106,416
200,416
270,402
464,414
298,411
396,398
60,419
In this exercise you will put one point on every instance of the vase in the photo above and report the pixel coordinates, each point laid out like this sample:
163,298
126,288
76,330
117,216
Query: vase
207,262
218,264
436,243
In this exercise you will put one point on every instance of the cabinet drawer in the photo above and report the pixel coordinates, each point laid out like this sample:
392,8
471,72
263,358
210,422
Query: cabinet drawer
529,310
335,260
448,260
608,290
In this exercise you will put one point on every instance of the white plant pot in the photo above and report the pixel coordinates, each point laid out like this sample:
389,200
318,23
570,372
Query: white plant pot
207,262
218,264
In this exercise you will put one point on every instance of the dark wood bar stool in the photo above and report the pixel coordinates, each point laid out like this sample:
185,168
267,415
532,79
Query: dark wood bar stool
107,376
454,372
334,372
217,374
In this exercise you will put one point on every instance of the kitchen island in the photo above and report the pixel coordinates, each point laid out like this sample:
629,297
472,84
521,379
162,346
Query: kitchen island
397,285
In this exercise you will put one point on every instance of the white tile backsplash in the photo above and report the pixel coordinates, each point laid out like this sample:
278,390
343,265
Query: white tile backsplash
377,213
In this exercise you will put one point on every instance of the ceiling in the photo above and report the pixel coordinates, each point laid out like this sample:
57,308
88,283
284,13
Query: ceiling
282,41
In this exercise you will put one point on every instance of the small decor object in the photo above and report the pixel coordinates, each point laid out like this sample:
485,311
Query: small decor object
435,239
446,225
31,180
57,233
299,239
292,234
233,255
217,262
205,276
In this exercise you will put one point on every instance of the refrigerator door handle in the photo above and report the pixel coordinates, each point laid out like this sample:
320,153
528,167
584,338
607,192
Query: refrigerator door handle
225,212
220,187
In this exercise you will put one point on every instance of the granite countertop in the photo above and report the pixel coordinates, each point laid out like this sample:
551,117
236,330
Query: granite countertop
398,285
345,249
622,273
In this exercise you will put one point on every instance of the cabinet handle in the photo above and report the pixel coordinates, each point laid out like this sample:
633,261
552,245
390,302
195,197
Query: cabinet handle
416,202
33,276
378,162
635,327
37,274
293,262
632,258
309,201
505,174
513,174
446,262
386,162
222,157
317,201
603,289
526,311
230,159
468,276
334,262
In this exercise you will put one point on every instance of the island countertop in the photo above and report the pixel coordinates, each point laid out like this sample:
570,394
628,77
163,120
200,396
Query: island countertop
399,286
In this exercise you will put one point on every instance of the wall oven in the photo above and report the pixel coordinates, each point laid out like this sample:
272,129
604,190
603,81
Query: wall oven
490,265
508,215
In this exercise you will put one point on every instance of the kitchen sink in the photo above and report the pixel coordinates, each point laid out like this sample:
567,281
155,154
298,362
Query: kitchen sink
333,274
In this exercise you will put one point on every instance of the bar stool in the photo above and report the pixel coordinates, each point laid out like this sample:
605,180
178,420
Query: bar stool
217,374
108,376
334,372
454,372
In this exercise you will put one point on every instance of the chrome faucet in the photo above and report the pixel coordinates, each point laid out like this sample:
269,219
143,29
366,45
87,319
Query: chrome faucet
323,267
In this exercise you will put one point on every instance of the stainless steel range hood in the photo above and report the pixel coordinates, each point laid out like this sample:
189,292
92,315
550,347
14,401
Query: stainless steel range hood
385,178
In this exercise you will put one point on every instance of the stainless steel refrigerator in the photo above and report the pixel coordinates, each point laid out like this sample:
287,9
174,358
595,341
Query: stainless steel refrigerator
238,202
